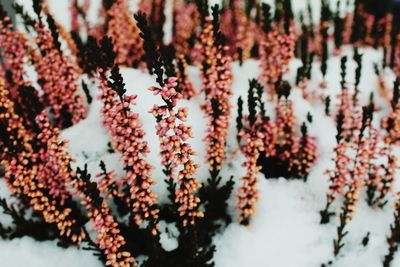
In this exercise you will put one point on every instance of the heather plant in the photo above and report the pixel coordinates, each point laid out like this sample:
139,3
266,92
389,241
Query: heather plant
58,75
122,29
286,154
270,147
54,77
353,183
354,133
110,242
276,50
391,122
17,52
186,20
176,156
29,160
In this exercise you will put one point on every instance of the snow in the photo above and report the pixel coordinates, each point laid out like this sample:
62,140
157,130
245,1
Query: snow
285,230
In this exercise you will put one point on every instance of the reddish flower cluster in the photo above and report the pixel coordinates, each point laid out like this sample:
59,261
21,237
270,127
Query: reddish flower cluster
176,152
391,123
338,176
381,173
270,146
347,133
345,137
59,79
357,174
276,50
185,86
109,185
396,56
349,122
239,30
76,11
15,53
202,54
357,136
122,28
29,175
350,201
303,153
186,20
270,139
351,116
57,172
286,127
375,31
14,50
218,109
382,169
252,145
108,238
217,79
127,138
295,154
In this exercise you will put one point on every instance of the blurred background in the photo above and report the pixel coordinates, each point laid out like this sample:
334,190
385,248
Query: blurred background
7,4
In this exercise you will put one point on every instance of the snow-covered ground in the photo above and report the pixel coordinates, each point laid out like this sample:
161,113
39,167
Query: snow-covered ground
285,231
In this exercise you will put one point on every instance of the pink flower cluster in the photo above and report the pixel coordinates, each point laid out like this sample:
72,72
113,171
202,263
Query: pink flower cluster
27,172
240,31
58,76
56,172
108,237
358,162
358,169
281,141
387,181
186,20
338,176
397,57
392,123
252,146
276,51
270,139
203,50
351,116
124,32
76,23
274,142
185,86
286,127
176,152
217,79
108,183
304,155
14,48
127,138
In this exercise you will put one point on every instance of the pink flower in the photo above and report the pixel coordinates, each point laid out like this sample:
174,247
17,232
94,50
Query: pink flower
176,153
127,138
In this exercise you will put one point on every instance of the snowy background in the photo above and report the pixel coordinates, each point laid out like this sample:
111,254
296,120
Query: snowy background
285,231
